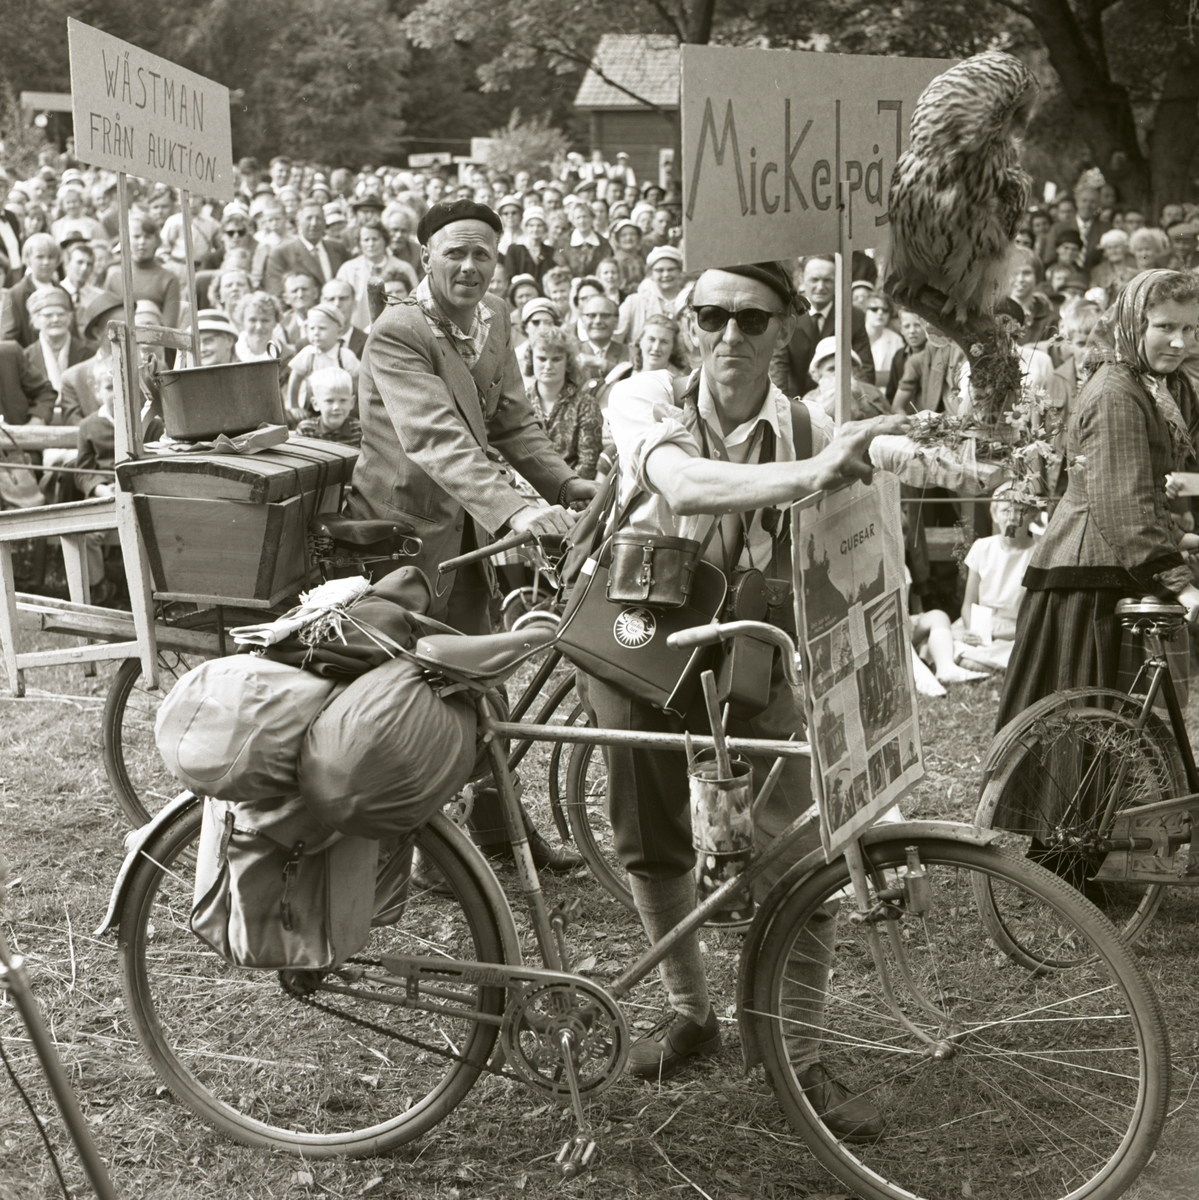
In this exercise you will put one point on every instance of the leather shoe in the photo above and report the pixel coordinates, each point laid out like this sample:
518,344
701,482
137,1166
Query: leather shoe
555,859
558,860
851,1118
664,1050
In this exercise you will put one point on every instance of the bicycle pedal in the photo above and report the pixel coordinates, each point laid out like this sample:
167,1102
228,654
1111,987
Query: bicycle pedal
568,911
575,1157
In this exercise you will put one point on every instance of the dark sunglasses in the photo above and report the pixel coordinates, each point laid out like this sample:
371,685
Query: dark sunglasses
236,232
711,318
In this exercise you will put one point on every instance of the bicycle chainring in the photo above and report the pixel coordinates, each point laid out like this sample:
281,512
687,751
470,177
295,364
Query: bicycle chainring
536,1018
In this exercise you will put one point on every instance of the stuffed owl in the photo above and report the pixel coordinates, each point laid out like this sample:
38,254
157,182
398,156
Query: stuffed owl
959,192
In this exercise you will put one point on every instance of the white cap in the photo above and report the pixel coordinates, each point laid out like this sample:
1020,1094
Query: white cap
826,348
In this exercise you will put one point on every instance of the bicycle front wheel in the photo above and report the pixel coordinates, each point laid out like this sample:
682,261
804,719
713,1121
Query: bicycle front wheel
1055,783
264,1067
1036,1084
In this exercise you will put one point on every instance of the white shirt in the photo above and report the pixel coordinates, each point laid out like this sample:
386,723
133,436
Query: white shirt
821,316
55,360
643,415
584,239
1000,570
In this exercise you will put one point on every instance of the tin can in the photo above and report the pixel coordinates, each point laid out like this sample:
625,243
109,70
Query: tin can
722,832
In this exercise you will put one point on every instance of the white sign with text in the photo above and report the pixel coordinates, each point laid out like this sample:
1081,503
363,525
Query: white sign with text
769,135
146,116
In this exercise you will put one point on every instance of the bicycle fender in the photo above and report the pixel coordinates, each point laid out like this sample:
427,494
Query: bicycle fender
135,841
886,831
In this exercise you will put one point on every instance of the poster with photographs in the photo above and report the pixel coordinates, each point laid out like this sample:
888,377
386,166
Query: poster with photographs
855,640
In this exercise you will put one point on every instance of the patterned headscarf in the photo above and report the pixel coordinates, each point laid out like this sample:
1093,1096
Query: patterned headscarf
1119,337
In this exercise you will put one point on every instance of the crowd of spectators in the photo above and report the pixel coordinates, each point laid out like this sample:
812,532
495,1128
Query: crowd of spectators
298,263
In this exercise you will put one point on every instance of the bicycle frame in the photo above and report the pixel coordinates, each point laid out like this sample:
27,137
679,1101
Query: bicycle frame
548,929
12,978
1159,829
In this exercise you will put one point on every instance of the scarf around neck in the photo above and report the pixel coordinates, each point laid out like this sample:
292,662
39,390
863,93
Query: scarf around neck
1119,338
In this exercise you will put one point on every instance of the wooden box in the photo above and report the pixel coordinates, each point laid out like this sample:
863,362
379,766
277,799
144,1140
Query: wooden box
220,528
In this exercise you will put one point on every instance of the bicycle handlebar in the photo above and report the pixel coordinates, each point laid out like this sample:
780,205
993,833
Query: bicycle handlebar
505,543
709,635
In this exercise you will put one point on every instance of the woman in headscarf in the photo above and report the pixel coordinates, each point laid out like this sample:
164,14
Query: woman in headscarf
1134,421
532,255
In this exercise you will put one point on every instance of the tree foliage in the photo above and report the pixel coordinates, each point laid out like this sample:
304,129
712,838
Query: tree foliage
533,145
335,79
1125,73
317,78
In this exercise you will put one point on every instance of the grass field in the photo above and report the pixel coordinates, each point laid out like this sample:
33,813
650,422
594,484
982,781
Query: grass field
712,1132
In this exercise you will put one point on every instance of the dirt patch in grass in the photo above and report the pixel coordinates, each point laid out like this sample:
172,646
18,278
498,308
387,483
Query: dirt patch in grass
713,1129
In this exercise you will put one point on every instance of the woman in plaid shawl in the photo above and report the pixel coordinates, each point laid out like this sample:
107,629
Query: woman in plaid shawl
1135,420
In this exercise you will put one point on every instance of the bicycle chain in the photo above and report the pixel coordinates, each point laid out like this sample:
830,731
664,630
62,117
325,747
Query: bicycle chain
382,1030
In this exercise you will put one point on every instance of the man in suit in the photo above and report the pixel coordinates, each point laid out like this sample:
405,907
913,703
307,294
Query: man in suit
310,251
57,347
789,370
441,402
26,395
1088,224
41,257
340,293
79,396
439,389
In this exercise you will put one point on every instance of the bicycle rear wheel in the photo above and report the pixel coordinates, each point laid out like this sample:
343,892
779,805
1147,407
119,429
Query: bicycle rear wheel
587,812
1047,1083
1058,778
258,1064
135,769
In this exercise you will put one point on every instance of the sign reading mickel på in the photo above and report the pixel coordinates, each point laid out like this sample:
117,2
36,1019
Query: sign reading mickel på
146,116
769,134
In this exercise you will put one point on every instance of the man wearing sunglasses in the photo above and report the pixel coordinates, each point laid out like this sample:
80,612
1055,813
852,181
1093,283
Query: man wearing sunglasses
722,446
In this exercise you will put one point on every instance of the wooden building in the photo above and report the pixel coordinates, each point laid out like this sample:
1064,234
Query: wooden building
631,98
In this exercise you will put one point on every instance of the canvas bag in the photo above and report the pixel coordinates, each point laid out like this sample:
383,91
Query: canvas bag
387,753
305,902
233,727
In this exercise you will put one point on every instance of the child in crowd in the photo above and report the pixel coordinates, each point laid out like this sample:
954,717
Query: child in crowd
323,327
557,281
333,399
986,631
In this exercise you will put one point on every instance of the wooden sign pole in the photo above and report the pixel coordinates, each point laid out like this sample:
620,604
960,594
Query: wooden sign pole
843,297
185,207
127,435
129,422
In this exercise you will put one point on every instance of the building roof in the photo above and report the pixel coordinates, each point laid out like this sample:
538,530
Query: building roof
645,63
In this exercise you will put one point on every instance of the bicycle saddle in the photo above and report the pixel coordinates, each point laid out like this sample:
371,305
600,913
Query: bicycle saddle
486,656
1150,607
357,531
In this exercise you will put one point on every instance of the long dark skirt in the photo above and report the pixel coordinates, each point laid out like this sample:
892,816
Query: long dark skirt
1064,639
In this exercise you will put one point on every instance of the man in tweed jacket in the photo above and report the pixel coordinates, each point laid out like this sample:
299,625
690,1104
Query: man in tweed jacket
443,406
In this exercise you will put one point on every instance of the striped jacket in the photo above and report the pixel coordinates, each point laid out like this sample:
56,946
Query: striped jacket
1111,529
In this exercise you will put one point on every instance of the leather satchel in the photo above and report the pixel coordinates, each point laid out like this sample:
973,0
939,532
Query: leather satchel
624,644
648,568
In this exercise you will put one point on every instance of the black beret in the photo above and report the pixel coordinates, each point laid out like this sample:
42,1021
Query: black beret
777,278
447,211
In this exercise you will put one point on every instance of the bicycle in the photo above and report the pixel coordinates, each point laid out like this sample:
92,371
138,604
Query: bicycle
141,782
991,1080
1106,782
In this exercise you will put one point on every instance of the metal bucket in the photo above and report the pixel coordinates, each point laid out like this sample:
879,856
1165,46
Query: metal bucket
722,832
199,403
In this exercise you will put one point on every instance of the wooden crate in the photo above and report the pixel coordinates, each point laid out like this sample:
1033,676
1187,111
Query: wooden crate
220,528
